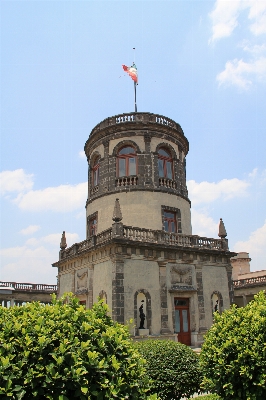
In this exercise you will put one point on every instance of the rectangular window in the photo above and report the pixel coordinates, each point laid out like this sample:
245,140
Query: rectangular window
93,226
132,166
122,167
169,172
160,165
169,221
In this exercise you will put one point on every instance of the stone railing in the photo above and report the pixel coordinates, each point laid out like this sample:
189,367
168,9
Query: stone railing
258,280
168,183
137,117
29,287
122,232
127,181
94,189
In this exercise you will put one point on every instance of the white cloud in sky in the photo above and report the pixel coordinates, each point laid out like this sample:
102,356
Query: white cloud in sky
82,154
241,74
30,230
63,198
224,17
15,181
203,224
33,259
255,246
207,192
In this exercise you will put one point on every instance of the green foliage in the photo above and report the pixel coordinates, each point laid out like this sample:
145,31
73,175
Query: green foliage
233,357
209,397
173,367
63,351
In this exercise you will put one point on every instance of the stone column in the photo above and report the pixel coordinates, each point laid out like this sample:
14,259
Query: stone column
163,299
230,283
90,286
201,306
118,297
244,300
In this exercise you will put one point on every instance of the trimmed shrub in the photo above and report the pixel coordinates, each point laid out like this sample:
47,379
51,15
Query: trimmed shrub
63,351
173,367
233,356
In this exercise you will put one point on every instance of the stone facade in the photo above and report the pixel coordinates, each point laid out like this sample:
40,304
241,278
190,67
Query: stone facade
147,256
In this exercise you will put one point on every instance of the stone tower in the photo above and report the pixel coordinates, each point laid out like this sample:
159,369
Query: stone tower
139,254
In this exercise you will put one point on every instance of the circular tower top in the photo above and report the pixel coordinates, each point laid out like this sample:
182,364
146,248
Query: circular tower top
140,159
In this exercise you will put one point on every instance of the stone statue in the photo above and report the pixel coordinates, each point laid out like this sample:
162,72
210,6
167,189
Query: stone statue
216,306
142,317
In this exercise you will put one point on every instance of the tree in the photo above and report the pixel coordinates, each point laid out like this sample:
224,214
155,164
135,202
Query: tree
233,356
63,351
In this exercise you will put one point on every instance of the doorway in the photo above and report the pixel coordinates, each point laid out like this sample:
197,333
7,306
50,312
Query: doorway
182,320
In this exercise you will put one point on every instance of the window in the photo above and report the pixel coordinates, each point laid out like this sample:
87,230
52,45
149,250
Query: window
92,225
169,221
96,172
127,161
165,164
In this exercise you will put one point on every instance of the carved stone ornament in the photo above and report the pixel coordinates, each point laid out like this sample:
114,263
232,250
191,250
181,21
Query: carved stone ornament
63,243
181,275
117,215
222,232
82,281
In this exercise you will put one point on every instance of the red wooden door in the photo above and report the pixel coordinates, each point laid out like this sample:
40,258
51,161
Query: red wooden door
182,320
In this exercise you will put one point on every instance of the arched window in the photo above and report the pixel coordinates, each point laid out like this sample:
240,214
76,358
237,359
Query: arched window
165,164
127,161
96,172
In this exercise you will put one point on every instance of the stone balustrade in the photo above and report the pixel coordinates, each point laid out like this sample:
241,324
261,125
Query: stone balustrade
122,232
29,287
258,280
168,183
145,118
127,181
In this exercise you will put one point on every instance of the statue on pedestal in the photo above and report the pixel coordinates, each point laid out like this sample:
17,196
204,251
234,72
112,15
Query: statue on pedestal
142,317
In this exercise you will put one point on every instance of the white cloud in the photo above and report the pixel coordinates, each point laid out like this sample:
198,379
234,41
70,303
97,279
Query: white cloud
203,224
255,246
32,261
30,230
224,17
241,74
207,192
15,181
258,12
82,154
62,198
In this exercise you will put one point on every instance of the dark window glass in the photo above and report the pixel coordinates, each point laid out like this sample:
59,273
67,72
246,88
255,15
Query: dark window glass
96,172
127,161
165,164
169,221
93,226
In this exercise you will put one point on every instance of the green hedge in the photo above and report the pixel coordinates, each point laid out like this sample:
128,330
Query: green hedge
233,356
173,367
63,351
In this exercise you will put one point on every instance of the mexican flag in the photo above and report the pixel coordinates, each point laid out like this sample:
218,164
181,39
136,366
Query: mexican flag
131,71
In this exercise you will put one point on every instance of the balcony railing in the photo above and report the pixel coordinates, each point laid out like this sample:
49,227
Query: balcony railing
259,280
127,181
145,118
168,183
145,235
29,287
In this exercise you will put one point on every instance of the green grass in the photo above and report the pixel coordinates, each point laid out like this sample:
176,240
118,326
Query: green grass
209,397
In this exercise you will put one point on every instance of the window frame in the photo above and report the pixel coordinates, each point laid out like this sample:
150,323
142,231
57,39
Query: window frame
165,159
177,213
126,157
92,228
96,171
169,221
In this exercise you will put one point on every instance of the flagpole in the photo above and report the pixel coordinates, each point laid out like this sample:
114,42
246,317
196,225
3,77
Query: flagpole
135,89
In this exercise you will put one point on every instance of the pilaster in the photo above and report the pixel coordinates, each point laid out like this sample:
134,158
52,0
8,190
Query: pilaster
118,297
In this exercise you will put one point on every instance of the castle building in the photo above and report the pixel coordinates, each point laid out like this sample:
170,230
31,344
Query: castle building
139,254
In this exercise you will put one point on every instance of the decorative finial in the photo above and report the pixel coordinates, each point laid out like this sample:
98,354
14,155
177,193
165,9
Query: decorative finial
63,243
222,232
117,215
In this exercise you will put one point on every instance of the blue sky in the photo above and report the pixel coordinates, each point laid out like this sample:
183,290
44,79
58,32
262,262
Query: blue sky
201,63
